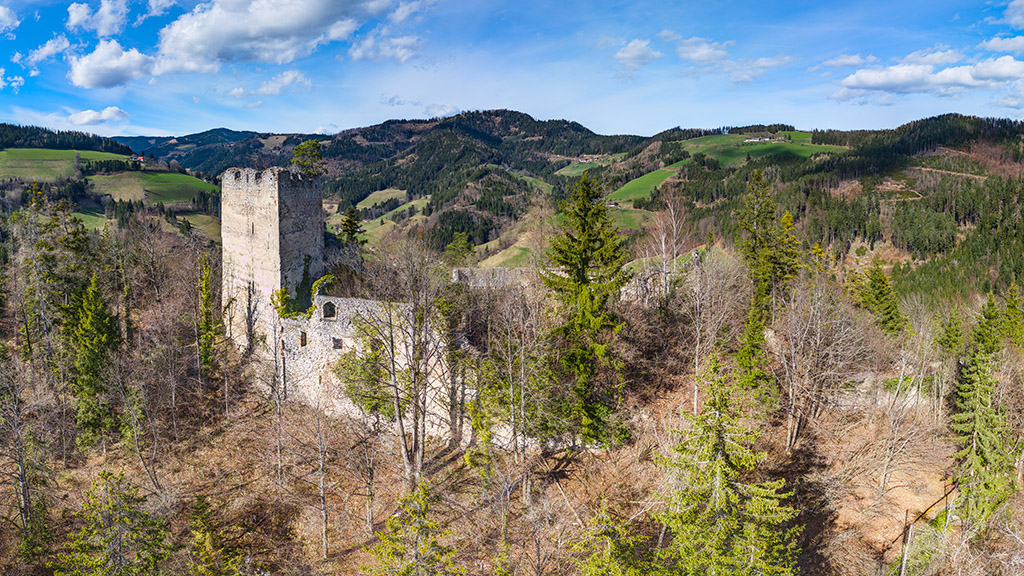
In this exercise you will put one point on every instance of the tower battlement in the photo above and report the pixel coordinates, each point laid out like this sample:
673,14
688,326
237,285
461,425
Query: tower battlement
272,237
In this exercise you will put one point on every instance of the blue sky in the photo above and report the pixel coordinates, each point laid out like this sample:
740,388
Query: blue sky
178,66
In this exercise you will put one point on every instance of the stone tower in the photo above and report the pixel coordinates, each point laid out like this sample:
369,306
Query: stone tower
271,230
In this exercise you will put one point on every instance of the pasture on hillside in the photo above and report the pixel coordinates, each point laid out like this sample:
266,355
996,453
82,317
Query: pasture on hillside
731,150
150,187
44,164
641,187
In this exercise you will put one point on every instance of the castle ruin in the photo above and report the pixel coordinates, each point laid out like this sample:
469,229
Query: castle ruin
272,238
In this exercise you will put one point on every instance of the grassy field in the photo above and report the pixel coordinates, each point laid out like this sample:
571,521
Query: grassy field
730,149
208,225
626,218
381,196
151,187
379,226
577,168
44,164
641,187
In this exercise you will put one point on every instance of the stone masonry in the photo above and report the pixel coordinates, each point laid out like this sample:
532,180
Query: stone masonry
272,228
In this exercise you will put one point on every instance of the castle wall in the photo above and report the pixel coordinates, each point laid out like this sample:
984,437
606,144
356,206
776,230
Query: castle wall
271,221
301,217
251,242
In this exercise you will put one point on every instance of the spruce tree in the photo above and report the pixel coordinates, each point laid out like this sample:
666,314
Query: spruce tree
351,229
408,545
588,258
118,538
95,338
719,523
877,295
609,548
979,427
210,554
769,243
1013,317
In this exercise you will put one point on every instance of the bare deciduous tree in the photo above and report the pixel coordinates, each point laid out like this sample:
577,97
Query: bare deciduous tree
821,343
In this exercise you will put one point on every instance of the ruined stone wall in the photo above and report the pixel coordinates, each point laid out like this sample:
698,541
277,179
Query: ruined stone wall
250,244
301,217
271,221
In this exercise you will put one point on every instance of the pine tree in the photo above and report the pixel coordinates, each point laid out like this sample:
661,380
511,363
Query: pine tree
308,158
589,258
96,336
984,469
877,295
719,524
118,538
211,556
408,545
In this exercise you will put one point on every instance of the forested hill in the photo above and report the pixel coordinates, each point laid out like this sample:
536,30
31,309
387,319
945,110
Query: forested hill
14,136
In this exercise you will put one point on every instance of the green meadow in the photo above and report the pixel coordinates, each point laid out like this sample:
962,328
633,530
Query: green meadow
44,164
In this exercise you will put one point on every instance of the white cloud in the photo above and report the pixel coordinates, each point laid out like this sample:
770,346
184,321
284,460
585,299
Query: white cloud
845,61
8,20
53,46
275,85
407,9
282,80
636,54
159,7
266,31
744,71
440,110
108,20
1015,45
377,47
925,78
109,65
696,49
16,57
935,57
90,117
1011,101
1014,15
15,82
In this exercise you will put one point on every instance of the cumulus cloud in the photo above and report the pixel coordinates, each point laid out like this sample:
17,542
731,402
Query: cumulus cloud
711,56
52,47
90,117
109,65
282,80
156,8
14,82
1014,44
936,57
440,110
8,20
697,49
265,31
743,71
275,85
1014,15
106,21
397,101
408,9
925,78
379,47
637,54
845,61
